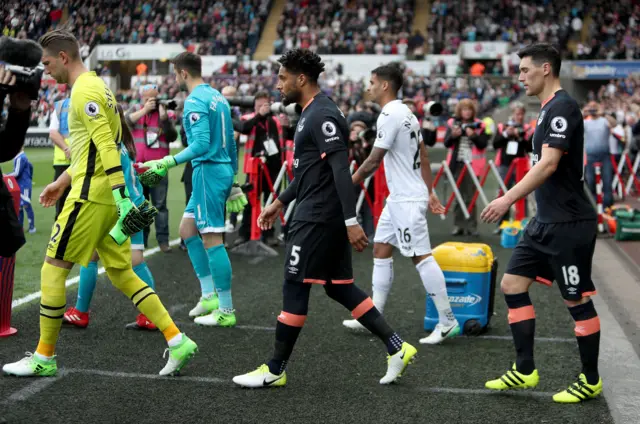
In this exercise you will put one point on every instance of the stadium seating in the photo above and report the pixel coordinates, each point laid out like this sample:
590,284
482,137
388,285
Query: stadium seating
586,30
221,28
331,27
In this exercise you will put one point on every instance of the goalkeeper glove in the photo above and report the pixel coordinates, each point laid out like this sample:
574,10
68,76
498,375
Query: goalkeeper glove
148,212
130,220
237,200
158,169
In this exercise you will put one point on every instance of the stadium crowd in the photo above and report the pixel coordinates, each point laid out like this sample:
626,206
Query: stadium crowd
358,27
611,27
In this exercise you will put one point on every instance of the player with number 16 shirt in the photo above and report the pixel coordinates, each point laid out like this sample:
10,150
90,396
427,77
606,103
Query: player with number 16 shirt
323,226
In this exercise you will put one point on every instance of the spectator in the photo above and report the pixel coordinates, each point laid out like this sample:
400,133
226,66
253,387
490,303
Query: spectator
596,142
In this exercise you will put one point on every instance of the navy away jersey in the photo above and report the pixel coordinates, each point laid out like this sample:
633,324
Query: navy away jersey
322,130
561,198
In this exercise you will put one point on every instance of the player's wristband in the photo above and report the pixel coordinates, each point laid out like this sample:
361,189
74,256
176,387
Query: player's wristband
351,221
120,193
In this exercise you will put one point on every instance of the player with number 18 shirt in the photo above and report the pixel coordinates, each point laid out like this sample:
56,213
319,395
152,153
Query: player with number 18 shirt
559,242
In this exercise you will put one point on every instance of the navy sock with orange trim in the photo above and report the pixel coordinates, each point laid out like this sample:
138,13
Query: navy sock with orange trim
522,320
587,331
362,308
290,322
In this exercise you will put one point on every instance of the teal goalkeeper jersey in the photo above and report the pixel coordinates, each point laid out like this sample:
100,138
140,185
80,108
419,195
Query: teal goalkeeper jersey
131,179
209,129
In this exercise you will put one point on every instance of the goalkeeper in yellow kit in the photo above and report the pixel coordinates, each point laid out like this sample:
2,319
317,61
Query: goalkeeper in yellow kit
97,215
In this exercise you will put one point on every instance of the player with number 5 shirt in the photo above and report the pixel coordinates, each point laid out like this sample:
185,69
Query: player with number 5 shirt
323,228
559,242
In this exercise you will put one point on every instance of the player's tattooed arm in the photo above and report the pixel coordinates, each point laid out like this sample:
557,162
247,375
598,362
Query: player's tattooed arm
370,165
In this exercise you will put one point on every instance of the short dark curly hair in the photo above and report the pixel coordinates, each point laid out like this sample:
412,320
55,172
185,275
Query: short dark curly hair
302,61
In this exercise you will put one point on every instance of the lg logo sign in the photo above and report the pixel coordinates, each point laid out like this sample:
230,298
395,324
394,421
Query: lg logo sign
110,53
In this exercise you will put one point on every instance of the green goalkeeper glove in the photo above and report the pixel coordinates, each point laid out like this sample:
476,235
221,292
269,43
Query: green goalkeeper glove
158,169
130,220
236,200
148,212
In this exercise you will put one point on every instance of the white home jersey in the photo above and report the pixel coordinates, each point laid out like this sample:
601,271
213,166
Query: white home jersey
399,134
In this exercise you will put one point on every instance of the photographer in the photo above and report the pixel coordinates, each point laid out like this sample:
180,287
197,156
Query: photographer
513,140
12,134
153,131
265,140
467,140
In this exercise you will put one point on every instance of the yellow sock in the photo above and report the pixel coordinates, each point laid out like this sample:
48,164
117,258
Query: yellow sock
52,305
144,298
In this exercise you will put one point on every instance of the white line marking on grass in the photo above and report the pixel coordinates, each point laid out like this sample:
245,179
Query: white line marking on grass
537,339
41,384
255,327
118,374
32,389
505,393
73,281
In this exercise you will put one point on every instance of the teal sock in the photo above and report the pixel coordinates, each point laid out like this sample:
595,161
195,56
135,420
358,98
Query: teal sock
143,271
221,270
88,278
200,262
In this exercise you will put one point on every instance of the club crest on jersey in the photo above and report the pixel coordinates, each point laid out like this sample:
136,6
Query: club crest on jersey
329,128
91,109
194,117
559,124
541,117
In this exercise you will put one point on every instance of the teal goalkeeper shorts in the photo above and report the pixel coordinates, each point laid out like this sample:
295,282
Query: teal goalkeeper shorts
212,184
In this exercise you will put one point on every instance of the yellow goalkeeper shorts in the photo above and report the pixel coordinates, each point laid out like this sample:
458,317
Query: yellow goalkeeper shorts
83,227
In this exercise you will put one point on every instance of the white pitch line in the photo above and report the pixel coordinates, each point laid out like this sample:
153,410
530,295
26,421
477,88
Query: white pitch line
33,388
73,281
42,384
487,392
118,374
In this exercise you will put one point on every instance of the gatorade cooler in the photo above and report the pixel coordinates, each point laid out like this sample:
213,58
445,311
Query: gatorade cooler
470,273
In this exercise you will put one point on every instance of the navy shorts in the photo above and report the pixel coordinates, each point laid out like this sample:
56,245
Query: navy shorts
562,252
318,252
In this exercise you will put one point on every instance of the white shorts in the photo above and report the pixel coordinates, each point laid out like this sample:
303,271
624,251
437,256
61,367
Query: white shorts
404,225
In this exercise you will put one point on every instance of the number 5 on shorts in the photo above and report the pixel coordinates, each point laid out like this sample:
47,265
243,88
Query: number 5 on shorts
295,255
571,275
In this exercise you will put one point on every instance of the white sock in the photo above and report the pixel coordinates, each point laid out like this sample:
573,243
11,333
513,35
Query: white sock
436,287
42,357
175,340
382,280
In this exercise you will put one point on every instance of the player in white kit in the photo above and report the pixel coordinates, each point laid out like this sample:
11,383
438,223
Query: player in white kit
403,223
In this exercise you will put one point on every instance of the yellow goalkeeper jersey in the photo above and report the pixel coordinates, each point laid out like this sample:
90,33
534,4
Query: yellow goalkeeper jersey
95,132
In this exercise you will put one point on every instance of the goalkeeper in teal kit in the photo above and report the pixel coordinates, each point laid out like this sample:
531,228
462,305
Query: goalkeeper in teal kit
212,152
